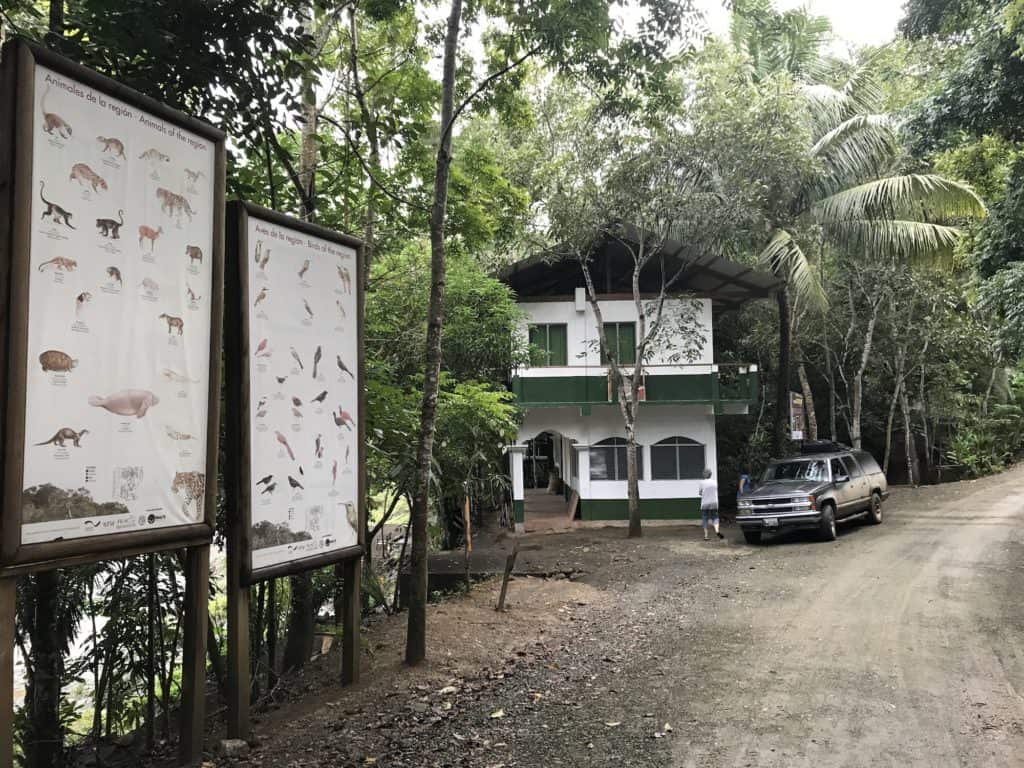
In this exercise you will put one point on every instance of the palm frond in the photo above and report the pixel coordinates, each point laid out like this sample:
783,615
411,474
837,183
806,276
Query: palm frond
860,147
787,260
917,242
924,197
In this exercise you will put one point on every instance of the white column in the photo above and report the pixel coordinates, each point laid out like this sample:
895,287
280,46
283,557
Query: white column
516,454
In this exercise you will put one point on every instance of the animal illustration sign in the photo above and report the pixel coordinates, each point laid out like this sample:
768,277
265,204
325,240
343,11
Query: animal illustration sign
116,263
302,366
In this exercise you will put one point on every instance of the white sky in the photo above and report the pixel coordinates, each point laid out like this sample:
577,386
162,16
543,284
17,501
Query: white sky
860,22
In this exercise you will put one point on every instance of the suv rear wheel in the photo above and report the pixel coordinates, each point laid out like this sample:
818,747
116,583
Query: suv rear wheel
752,537
875,509
827,532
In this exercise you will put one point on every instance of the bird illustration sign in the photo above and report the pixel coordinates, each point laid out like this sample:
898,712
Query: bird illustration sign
300,347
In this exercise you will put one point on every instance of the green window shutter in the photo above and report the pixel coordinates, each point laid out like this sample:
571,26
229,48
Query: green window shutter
538,345
611,337
558,345
627,343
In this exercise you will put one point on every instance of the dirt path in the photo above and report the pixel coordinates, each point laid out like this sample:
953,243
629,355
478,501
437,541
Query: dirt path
898,645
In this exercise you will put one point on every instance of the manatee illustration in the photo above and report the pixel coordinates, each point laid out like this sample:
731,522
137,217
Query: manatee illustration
127,402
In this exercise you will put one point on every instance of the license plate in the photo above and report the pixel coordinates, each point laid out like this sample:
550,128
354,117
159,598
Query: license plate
771,522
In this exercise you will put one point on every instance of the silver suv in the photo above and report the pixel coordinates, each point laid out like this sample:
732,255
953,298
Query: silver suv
825,485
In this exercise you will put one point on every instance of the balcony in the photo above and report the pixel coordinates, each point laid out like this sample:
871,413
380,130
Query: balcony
584,386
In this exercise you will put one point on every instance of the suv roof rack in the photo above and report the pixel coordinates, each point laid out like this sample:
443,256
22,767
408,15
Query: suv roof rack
810,447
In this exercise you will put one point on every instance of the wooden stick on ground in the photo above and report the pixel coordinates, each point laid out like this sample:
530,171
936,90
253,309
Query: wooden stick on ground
509,565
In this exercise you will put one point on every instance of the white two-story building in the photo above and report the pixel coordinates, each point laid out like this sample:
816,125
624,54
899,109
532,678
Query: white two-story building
572,422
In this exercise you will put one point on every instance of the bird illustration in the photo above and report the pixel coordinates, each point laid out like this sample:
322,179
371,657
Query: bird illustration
344,368
264,480
321,397
294,483
265,260
260,296
256,254
341,308
261,413
261,403
295,356
296,413
343,418
281,379
269,489
348,450
261,349
305,268
301,471
319,446
284,441
308,310
296,402
334,471
316,359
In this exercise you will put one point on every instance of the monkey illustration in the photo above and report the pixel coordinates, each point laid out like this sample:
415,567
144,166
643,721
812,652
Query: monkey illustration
112,145
52,121
115,276
54,211
81,172
109,227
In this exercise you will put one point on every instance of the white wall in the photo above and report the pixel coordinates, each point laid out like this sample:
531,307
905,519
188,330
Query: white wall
583,345
654,423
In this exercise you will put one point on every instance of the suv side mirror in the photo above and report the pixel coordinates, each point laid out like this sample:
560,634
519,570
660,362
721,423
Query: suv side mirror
842,479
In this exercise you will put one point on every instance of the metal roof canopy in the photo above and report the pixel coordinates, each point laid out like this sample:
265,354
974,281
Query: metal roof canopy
727,283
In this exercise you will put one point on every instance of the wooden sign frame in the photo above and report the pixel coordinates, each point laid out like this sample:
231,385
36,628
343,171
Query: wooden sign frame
20,60
239,394
17,134
238,471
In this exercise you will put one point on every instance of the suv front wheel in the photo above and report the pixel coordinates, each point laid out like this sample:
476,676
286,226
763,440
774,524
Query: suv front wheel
752,537
875,509
827,532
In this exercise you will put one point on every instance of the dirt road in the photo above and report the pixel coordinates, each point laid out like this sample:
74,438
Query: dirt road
897,645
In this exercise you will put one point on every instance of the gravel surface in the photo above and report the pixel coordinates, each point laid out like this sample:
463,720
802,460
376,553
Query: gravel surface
897,645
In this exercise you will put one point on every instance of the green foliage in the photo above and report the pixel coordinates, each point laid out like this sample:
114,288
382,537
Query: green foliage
986,442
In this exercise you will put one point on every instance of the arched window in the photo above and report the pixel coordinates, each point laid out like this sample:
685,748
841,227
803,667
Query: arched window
608,460
677,458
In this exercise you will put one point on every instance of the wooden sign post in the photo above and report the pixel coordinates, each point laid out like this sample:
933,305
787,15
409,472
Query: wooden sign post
295,479
111,294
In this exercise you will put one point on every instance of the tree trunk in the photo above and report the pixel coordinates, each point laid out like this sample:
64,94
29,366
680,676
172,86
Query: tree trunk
782,379
925,476
271,634
44,741
151,620
858,379
888,424
416,637
369,122
811,416
632,478
301,616
908,439
298,647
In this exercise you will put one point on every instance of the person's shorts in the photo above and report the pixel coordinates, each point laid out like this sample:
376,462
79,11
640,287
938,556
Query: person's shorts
708,515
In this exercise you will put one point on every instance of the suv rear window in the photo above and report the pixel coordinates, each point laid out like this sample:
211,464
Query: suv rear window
868,462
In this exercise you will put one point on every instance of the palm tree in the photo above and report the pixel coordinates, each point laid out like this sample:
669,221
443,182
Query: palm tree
857,203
